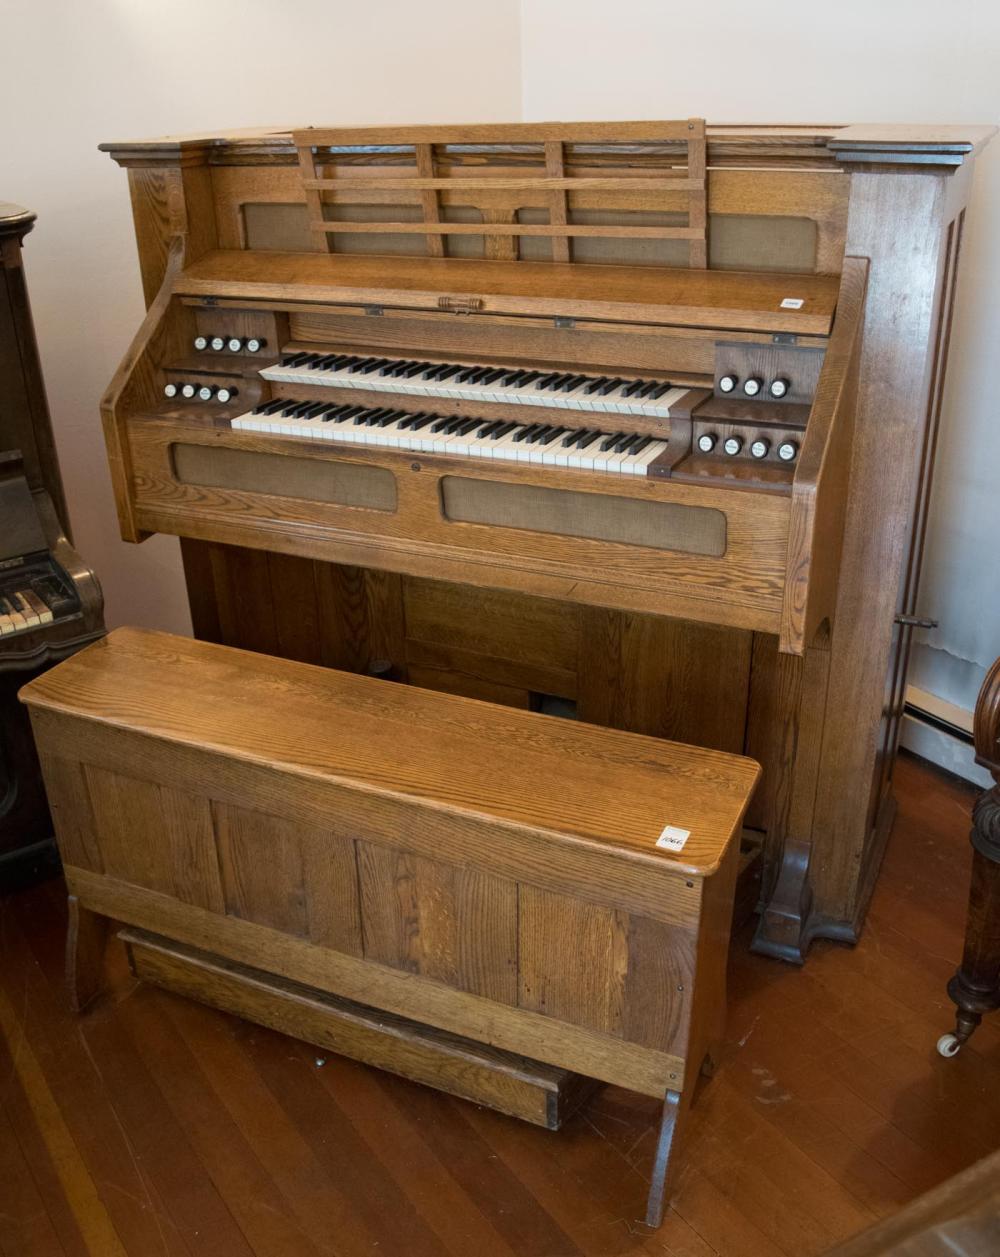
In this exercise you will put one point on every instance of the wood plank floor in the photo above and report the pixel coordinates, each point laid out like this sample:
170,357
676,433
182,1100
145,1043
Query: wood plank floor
154,1126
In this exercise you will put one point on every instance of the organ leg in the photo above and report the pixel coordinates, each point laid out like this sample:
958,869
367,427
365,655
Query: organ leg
85,942
975,988
661,1165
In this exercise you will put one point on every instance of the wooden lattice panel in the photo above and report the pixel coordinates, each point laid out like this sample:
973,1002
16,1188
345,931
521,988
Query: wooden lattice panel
528,166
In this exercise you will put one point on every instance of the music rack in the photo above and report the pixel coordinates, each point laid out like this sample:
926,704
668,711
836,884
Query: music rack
527,166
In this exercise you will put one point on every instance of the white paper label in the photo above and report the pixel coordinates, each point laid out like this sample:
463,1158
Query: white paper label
793,303
672,838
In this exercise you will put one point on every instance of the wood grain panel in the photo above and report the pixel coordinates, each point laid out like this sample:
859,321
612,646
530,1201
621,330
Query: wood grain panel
606,969
458,925
295,878
72,815
573,960
155,836
532,631
666,678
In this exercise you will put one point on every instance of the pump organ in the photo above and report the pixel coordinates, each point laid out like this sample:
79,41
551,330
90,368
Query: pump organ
635,415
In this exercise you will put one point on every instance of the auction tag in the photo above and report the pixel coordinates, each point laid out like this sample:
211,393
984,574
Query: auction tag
793,303
672,838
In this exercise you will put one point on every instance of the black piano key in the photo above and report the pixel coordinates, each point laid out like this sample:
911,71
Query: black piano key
486,429
571,383
527,432
613,439
505,430
329,363
630,389
362,364
511,379
468,426
574,436
594,385
621,446
496,374
292,360
421,421
642,444
541,430
373,416
449,371
551,436
547,381
269,408
660,390
612,386
589,439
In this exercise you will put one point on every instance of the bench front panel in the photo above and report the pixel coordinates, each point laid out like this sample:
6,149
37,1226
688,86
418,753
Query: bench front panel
455,940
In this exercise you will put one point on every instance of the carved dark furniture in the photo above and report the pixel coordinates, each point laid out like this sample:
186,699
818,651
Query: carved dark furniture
50,601
975,988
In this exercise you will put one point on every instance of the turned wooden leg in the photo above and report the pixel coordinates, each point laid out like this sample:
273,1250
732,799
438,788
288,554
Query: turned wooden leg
85,941
975,988
661,1166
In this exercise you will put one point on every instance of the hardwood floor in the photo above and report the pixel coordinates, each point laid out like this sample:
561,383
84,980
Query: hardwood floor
154,1126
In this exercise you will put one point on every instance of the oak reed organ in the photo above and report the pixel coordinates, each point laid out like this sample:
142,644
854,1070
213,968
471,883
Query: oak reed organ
728,595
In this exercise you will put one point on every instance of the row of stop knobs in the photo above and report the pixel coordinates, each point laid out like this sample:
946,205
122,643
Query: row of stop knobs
760,447
754,386
203,392
234,344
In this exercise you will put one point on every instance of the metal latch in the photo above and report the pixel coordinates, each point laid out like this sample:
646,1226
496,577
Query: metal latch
915,621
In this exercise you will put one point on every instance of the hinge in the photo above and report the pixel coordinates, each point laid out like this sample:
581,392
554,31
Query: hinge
784,338
210,301
562,320
374,311
916,621
461,305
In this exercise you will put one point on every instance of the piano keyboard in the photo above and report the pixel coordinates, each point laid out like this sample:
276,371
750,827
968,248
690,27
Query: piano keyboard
590,449
563,390
22,609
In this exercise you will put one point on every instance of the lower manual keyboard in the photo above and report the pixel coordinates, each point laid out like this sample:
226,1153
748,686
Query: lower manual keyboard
623,453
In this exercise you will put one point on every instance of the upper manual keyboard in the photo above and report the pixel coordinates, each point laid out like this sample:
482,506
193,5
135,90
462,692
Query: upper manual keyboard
458,381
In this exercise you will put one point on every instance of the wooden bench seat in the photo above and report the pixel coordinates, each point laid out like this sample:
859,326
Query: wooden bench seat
490,873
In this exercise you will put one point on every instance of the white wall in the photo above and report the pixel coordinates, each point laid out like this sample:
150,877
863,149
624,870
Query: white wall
788,61
77,72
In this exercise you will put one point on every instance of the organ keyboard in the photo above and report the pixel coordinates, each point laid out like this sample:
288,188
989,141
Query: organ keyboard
565,390
548,445
579,411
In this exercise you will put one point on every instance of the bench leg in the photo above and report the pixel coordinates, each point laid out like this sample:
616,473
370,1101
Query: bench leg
85,942
661,1166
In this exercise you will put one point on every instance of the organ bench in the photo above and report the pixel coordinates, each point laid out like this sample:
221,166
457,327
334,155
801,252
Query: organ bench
540,887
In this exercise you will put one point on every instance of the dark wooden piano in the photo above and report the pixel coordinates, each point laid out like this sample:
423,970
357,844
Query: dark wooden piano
50,601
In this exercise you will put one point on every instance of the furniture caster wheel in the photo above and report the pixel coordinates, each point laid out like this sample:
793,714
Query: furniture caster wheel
949,1045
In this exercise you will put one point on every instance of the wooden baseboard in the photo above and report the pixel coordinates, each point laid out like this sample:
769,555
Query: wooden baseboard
461,1067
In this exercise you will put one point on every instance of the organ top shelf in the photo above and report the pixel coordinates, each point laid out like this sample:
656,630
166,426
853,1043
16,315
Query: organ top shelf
718,300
